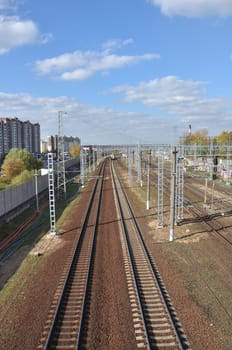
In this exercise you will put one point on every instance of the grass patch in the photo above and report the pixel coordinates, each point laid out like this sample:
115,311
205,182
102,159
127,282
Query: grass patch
18,282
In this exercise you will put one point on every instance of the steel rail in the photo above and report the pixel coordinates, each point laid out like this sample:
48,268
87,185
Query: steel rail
210,222
69,274
153,338
201,215
129,252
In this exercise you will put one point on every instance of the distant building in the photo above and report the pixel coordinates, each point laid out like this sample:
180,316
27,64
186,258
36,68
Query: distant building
68,140
15,133
52,142
43,146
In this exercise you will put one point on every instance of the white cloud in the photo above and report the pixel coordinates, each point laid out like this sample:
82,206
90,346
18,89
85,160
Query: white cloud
194,8
80,65
116,43
99,125
102,125
174,96
16,32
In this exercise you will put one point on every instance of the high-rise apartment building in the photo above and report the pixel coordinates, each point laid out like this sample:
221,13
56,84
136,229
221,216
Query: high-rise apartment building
15,133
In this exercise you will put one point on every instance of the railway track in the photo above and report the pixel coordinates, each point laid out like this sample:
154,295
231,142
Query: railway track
195,208
211,222
156,325
155,322
63,329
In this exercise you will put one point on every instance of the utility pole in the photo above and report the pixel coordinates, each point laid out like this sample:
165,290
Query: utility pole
212,197
129,161
51,191
148,179
173,195
82,167
160,188
61,181
206,188
180,184
139,175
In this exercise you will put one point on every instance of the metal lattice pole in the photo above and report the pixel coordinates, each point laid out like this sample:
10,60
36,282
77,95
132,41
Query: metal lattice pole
180,186
139,175
148,179
61,181
94,158
86,167
228,163
98,155
173,195
82,169
160,188
51,192
129,163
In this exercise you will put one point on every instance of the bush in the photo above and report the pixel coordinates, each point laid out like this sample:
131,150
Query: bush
23,177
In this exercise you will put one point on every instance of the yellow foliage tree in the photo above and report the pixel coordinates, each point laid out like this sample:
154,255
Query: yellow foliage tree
12,167
74,149
199,137
16,162
224,138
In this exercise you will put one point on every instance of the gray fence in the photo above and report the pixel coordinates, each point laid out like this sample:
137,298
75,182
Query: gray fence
12,198
16,197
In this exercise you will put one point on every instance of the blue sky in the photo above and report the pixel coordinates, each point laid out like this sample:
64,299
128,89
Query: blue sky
124,71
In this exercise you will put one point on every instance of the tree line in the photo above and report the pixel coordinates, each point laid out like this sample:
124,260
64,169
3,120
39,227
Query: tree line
201,138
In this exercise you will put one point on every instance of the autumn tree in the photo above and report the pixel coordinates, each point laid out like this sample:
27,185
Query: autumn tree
224,138
199,137
18,161
12,168
74,149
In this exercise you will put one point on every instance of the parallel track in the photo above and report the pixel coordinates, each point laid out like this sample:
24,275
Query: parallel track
200,214
215,226
63,328
155,322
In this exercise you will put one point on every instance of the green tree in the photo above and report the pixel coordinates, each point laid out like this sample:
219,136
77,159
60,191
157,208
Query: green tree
17,161
24,176
38,163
